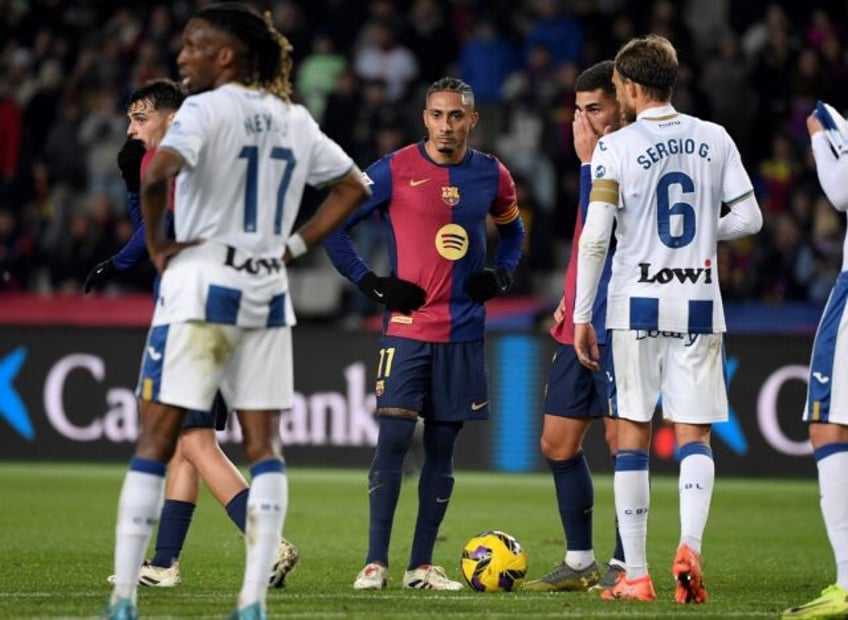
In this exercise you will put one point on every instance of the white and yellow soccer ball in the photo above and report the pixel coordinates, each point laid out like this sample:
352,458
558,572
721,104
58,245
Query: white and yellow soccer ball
493,561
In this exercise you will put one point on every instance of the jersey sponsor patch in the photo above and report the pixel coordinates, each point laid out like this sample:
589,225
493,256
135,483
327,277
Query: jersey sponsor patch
452,242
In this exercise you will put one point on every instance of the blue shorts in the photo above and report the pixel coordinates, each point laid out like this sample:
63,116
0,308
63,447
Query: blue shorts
444,381
574,391
216,418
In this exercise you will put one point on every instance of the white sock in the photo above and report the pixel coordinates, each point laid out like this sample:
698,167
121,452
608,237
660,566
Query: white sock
632,501
833,486
578,560
696,482
267,503
139,506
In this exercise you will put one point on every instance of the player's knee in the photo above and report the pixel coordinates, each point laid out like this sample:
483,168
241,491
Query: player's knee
259,449
553,449
159,446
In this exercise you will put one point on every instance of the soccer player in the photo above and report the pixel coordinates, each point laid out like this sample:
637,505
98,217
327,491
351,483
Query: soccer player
826,408
434,198
663,179
241,153
576,395
150,111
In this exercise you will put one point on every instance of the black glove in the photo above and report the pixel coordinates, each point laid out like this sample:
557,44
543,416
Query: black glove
100,273
398,294
129,161
489,283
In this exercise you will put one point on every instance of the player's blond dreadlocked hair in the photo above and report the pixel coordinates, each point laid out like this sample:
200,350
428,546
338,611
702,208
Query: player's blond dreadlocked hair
267,54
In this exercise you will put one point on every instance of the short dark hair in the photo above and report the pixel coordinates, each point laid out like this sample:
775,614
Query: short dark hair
651,62
161,93
453,85
267,53
598,76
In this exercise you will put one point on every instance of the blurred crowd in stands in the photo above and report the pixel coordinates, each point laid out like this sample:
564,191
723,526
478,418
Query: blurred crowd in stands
362,66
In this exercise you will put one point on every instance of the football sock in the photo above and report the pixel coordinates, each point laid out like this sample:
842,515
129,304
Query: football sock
384,480
632,500
237,509
435,486
267,503
697,478
173,529
618,553
138,510
832,463
575,499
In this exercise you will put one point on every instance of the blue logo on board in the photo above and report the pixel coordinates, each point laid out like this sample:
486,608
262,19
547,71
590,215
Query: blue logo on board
12,408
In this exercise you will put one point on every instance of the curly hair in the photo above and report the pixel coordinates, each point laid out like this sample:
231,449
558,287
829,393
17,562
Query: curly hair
267,53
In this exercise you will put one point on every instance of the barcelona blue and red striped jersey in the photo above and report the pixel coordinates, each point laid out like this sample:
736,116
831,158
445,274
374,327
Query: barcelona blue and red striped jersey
563,332
435,222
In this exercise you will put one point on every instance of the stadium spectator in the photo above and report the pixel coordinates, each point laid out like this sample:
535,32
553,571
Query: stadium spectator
381,57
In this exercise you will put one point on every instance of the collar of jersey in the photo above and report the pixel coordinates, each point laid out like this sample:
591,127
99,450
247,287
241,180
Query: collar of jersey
660,113
426,155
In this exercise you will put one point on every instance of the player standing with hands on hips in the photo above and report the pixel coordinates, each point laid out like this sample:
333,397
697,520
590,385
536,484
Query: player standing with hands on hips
242,154
434,198
826,408
663,180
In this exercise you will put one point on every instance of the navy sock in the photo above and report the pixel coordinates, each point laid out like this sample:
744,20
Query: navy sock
173,529
237,509
435,486
384,479
618,554
576,500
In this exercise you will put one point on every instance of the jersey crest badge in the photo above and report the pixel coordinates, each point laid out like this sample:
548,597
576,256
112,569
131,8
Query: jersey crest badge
450,195
380,388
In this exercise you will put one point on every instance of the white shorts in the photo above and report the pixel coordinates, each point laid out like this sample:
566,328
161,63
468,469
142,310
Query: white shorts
686,370
827,393
185,363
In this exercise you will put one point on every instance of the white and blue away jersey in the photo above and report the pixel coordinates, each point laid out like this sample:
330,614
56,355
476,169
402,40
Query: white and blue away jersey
246,158
668,174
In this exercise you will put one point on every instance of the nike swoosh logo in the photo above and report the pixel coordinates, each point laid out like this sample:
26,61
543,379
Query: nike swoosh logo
417,182
154,354
377,293
478,406
442,500
374,488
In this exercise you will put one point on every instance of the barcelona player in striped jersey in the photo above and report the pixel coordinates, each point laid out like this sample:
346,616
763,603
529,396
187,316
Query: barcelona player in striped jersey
826,408
434,198
575,395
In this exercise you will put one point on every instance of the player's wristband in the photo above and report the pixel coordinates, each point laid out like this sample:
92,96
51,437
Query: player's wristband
296,245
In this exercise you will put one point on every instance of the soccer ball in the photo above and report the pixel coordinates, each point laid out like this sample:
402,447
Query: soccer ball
493,561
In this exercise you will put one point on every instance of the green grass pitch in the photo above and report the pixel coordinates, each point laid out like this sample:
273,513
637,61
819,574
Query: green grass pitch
765,548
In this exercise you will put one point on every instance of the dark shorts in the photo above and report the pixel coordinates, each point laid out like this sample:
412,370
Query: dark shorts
216,418
574,391
444,381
